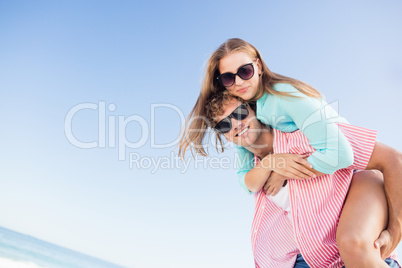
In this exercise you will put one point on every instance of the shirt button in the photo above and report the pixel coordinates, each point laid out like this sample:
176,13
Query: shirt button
263,207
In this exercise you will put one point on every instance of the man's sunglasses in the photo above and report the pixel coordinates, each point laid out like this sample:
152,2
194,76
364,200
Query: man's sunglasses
225,125
245,72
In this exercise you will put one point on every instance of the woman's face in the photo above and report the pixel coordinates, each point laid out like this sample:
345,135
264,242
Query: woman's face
243,132
246,89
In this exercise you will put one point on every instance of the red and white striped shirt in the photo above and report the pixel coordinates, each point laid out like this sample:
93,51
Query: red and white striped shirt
316,205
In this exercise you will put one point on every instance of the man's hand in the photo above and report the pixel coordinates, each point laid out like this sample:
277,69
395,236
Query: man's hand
387,243
273,184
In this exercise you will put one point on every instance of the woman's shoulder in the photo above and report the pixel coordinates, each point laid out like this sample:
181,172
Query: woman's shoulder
285,87
291,92
276,98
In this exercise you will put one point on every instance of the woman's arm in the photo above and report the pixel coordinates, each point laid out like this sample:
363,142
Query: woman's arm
318,122
291,166
256,177
244,160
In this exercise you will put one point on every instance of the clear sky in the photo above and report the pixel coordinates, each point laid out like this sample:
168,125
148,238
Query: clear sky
71,70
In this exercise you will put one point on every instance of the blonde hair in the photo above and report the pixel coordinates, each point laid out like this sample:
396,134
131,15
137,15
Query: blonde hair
197,122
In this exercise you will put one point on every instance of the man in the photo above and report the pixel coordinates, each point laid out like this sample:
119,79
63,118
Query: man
302,220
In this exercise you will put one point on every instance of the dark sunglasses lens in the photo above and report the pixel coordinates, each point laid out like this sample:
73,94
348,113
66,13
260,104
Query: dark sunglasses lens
241,112
224,126
246,72
227,79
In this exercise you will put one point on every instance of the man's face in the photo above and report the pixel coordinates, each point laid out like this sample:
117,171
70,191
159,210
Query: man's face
243,132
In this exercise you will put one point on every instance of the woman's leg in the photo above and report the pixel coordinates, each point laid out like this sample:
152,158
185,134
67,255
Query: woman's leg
364,216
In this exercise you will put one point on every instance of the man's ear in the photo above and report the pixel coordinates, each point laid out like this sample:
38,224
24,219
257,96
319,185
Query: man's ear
227,137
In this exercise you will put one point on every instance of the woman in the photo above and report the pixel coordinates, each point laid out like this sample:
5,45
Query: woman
288,105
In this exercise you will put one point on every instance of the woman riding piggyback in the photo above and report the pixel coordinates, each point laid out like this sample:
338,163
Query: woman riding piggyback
284,103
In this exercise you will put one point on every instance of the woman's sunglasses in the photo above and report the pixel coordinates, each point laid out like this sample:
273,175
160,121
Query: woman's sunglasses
225,125
245,72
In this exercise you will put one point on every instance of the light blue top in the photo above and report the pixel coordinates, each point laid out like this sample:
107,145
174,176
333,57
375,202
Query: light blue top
314,117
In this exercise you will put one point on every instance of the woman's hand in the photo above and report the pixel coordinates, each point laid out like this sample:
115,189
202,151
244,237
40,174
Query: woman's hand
273,184
292,166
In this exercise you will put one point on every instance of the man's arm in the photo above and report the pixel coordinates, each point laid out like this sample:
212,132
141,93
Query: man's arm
389,162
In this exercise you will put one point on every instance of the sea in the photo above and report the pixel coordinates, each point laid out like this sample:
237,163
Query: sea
23,251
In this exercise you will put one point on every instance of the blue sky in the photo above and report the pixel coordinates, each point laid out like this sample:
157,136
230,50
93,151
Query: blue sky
134,56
